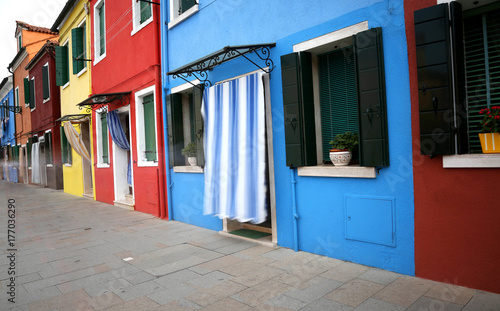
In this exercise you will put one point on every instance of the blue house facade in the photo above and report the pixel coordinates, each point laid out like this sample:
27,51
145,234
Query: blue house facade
9,150
333,66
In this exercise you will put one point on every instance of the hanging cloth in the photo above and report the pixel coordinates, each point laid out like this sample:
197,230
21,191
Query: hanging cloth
1,128
235,144
35,163
119,138
75,140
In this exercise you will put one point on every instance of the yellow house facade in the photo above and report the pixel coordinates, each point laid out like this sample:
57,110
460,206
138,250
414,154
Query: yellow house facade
73,76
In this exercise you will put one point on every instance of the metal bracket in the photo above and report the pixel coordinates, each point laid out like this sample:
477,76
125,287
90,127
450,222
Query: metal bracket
15,109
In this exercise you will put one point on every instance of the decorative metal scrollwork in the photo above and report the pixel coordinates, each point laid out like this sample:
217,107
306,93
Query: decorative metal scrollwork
100,101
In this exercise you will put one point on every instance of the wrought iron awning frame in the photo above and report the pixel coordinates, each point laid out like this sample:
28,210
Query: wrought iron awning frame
73,117
199,68
15,109
98,101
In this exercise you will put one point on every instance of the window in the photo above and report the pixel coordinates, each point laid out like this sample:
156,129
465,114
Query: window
62,64
458,74
102,139
146,127
45,82
17,96
19,42
185,123
32,94
100,31
48,148
26,91
142,14
79,48
338,79
180,10
66,156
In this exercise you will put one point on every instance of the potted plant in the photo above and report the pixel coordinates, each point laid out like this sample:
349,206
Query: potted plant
490,126
342,146
190,152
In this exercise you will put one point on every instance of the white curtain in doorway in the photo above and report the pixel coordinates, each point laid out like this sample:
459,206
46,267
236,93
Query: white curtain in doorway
35,163
75,140
235,149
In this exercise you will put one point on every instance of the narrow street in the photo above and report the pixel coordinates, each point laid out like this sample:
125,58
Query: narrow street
72,253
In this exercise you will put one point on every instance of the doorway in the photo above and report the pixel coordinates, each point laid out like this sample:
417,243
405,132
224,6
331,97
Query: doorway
266,232
88,188
124,192
42,164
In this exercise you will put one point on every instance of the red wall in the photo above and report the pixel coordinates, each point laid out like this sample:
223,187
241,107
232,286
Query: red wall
457,211
45,114
132,63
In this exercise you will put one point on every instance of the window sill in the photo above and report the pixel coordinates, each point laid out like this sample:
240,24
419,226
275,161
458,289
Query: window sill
472,161
138,28
46,100
188,169
147,164
50,165
353,171
183,16
67,165
66,85
99,59
100,165
84,70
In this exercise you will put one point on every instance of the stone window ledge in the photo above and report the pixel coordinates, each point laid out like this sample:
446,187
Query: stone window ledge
472,161
188,169
353,171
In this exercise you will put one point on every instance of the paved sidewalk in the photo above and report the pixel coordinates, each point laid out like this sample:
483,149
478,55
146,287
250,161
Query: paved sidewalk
76,254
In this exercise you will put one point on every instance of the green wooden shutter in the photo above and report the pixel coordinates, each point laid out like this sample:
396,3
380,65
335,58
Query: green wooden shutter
436,78
62,67
145,11
77,49
298,108
198,127
186,5
104,135
373,138
64,141
28,150
175,131
338,96
32,94
102,31
45,82
26,91
150,127
48,147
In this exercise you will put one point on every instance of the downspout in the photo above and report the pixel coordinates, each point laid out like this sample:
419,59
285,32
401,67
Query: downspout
294,211
161,158
165,85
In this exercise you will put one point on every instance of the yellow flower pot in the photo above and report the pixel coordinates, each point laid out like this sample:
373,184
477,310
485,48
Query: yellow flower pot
490,142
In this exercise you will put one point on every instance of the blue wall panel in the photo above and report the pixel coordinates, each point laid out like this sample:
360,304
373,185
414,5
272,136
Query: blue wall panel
320,200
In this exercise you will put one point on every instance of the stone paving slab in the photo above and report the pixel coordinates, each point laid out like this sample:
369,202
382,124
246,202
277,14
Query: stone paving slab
77,254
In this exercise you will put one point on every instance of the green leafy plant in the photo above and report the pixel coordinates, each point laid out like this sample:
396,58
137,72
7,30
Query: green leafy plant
491,119
345,141
189,150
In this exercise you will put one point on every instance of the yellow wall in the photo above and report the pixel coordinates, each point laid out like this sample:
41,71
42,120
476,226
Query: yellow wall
78,89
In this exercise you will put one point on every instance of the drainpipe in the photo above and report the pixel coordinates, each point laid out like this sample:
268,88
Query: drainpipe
294,210
162,210
165,85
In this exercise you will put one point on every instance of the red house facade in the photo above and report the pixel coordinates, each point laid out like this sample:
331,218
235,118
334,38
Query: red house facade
45,107
456,212
126,95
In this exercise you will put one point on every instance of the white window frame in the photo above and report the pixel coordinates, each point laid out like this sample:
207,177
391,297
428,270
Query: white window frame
175,18
48,81
136,17
140,130
66,44
84,21
51,148
97,42
16,94
34,95
100,163
320,45
19,36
